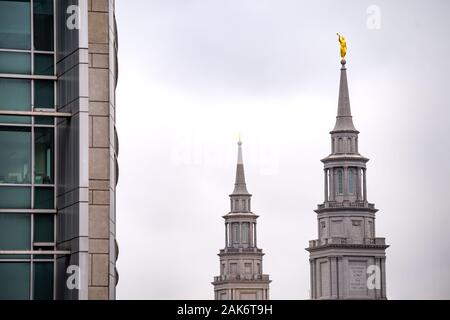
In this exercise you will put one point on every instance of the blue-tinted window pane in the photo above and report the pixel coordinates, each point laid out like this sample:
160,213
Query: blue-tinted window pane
15,30
44,155
44,228
14,257
44,96
43,64
15,231
15,120
44,198
14,281
43,281
43,25
15,156
15,198
15,95
44,120
15,62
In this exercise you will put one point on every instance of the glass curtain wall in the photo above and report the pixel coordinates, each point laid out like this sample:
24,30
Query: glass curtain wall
27,150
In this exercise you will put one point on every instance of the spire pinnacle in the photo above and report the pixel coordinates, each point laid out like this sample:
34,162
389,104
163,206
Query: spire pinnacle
344,120
240,185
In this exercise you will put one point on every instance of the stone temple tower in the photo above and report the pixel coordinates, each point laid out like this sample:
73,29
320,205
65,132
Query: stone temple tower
241,262
348,260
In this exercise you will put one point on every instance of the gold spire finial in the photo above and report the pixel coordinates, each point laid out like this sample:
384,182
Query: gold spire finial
343,43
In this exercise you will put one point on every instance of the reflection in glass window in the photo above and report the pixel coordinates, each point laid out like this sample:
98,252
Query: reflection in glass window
43,64
44,121
15,27
15,95
43,25
15,231
43,281
44,158
15,62
44,228
44,96
44,198
15,198
15,155
14,281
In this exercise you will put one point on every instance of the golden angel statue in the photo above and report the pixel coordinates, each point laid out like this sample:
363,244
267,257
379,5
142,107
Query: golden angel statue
343,43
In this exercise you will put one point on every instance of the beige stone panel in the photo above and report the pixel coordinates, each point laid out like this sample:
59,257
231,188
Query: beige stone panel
98,246
99,185
99,164
99,222
99,109
100,269
100,129
101,197
98,293
98,27
98,84
100,61
99,5
98,48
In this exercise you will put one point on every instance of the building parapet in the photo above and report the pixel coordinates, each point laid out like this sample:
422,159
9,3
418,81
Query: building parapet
346,204
346,241
243,277
241,250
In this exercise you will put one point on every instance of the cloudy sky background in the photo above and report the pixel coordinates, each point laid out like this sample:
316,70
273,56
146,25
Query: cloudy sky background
193,74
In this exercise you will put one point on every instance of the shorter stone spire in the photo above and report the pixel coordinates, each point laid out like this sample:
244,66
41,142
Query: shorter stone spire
344,120
240,187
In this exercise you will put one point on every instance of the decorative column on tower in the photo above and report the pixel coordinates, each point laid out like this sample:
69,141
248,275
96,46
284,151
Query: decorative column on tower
241,262
348,260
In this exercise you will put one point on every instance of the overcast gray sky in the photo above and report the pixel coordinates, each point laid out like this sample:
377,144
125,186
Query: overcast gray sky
193,74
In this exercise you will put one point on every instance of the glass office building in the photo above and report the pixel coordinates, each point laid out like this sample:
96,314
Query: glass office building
58,149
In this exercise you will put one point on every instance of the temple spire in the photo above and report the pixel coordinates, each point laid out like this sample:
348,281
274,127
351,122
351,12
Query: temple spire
240,187
344,120
239,280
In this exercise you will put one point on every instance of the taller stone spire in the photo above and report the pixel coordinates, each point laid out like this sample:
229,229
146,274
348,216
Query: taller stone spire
241,262
344,120
348,260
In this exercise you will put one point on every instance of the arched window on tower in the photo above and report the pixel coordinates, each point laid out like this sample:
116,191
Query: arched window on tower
351,179
236,233
246,233
340,174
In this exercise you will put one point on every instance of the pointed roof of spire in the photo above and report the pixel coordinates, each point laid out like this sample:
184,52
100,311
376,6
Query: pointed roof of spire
344,120
240,187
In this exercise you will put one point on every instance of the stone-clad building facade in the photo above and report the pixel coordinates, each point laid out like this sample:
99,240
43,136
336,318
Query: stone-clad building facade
347,261
241,262
103,149
58,161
